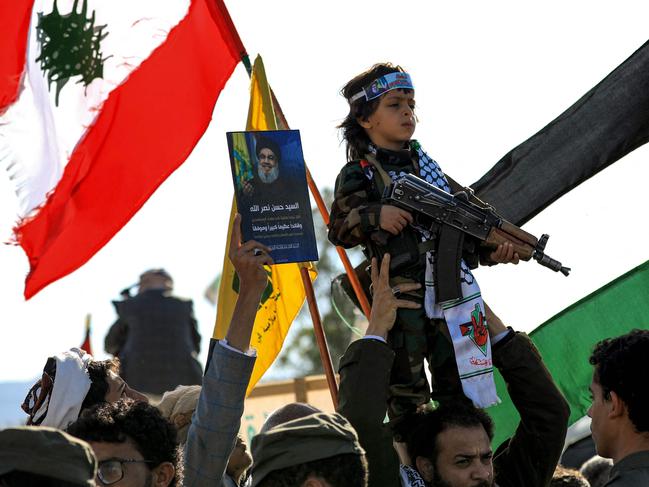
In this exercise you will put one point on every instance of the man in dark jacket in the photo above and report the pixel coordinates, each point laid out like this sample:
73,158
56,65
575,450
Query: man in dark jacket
620,407
156,337
451,446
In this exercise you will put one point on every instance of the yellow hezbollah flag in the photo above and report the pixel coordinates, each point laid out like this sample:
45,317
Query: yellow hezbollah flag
243,168
284,294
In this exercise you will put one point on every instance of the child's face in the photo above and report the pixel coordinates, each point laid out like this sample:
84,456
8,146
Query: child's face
393,122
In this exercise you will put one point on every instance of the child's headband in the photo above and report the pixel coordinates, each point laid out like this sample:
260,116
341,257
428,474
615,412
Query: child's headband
383,84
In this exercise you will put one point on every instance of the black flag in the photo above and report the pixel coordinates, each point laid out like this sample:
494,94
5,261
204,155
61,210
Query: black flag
608,122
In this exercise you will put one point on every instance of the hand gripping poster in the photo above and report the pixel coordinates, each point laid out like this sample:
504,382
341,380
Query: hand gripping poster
272,195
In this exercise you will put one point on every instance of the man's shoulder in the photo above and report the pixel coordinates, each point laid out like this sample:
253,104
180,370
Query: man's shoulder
632,470
153,297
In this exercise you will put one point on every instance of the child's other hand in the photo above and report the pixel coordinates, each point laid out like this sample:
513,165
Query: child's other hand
504,254
393,219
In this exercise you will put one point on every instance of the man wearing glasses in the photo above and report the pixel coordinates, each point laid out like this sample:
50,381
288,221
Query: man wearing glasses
134,445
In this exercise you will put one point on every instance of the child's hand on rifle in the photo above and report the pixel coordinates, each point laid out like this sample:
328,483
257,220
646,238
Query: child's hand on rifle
504,254
393,219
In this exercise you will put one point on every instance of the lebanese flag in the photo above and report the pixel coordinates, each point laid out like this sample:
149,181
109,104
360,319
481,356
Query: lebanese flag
99,103
86,345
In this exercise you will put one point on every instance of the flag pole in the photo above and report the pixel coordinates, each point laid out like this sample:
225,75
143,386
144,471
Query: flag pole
315,192
349,269
320,335
321,339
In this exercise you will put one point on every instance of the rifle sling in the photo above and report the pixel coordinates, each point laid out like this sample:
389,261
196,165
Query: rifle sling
384,176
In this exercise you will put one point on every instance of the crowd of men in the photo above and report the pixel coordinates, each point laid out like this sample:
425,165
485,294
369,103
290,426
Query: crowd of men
86,426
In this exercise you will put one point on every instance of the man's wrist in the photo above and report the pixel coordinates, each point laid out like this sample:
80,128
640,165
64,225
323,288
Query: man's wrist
374,332
250,352
377,338
251,291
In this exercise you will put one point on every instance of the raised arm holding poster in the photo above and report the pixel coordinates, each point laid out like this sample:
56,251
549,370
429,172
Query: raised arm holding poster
271,191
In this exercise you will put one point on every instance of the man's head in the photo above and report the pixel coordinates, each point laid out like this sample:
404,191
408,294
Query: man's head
44,457
158,279
268,155
319,450
71,382
451,445
133,443
620,407
287,413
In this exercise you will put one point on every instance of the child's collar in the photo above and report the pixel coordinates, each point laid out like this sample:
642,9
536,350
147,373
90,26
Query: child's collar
402,156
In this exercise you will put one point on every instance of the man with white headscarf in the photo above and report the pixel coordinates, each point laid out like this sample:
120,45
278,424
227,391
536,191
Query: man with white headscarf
71,382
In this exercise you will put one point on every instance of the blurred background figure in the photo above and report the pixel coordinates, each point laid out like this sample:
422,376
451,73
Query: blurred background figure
155,336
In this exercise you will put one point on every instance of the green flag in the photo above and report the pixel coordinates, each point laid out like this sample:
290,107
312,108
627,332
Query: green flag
567,340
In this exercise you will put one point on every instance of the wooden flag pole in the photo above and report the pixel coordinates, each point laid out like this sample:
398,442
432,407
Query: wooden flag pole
321,339
308,285
315,192
349,269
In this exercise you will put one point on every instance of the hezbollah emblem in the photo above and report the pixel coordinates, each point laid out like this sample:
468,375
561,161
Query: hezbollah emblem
476,329
268,291
70,46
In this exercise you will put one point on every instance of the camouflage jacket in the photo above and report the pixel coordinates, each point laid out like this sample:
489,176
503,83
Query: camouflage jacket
356,210
357,199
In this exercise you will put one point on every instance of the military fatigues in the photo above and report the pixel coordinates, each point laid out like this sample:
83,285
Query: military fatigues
355,221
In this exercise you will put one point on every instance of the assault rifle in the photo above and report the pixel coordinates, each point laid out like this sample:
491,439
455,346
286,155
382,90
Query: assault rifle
431,204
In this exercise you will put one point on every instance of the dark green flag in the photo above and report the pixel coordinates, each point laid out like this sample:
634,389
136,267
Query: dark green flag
567,340
605,124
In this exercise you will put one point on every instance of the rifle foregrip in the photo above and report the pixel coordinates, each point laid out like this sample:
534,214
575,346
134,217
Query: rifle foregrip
498,236
519,233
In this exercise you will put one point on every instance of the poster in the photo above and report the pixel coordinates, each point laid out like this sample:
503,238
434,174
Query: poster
271,190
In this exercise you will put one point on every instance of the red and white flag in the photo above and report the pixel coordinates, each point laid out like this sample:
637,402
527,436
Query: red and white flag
99,103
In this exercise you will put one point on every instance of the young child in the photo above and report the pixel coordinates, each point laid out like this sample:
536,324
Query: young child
450,324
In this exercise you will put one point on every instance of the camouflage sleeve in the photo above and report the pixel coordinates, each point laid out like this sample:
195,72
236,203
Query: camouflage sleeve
355,211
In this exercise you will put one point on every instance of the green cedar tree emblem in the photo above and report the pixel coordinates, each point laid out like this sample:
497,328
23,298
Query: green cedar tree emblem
268,292
70,46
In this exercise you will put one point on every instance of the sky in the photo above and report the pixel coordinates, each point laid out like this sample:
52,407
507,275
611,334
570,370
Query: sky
488,75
